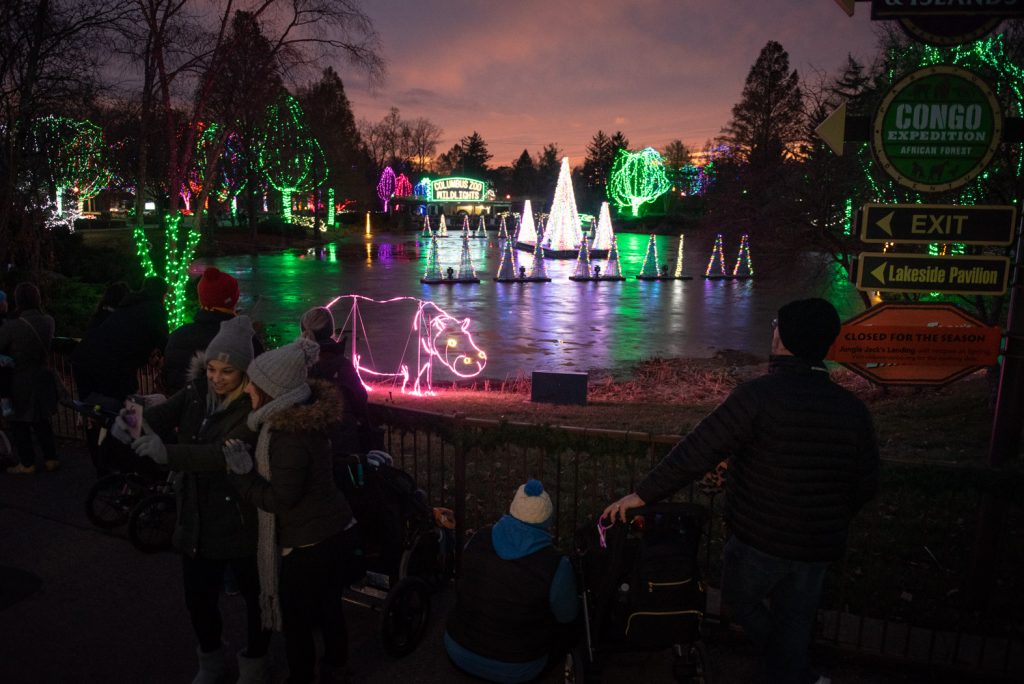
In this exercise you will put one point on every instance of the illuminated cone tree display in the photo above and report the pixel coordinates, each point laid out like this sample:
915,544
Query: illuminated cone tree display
539,271
650,268
481,228
716,255
290,157
427,232
582,270
466,271
563,232
527,228
442,228
508,269
603,236
678,275
433,272
612,268
637,178
502,230
743,268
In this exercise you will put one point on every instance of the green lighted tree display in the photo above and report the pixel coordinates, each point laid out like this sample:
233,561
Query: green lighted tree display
76,156
637,178
290,157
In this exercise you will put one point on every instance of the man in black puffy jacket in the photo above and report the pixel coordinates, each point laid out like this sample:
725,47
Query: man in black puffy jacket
803,460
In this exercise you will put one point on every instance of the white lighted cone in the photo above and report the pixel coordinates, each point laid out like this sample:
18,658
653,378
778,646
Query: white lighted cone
679,258
603,237
538,270
508,269
582,260
433,263
465,225
611,267
481,228
527,229
442,229
466,263
563,227
650,267
427,232
503,230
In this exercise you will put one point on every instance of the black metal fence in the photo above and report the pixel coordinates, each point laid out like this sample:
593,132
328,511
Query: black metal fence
474,466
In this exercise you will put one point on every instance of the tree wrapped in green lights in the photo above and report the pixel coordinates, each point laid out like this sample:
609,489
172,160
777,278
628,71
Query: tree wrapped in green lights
290,157
637,178
76,156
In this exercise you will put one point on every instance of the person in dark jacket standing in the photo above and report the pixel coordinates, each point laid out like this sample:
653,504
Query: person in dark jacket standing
218,296
355,433
107,360
302,513
26,340
514,596
803,460
215,529
111,299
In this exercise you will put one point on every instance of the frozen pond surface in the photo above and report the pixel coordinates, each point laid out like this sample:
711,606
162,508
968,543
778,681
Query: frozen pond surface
561,325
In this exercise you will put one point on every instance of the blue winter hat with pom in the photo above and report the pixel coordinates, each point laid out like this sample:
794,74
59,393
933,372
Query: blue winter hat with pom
531,503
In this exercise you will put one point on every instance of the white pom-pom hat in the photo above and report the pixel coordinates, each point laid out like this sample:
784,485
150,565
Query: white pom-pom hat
531,503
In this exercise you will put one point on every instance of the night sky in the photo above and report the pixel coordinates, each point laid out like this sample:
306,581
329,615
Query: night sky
524,73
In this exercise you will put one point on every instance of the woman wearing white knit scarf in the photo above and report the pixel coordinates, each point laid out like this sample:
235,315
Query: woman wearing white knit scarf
301,512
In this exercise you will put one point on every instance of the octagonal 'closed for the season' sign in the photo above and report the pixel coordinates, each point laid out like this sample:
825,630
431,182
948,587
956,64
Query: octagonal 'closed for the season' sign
915,344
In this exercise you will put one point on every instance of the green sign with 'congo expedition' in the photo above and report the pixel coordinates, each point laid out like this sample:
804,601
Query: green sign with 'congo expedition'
937,128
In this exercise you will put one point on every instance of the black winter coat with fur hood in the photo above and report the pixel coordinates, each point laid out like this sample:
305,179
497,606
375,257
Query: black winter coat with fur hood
301,492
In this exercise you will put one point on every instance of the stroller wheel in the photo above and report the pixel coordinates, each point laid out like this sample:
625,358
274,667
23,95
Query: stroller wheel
576,666
694,665
151,524
404,616
111,499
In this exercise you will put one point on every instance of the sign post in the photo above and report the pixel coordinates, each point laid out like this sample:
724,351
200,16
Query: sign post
923,273
981,224
937,128
915,344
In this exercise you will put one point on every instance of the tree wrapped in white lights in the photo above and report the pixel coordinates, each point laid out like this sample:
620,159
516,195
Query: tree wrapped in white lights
527,229
563,227
603,236
637,178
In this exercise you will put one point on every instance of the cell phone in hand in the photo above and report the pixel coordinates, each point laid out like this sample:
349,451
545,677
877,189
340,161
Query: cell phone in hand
134,406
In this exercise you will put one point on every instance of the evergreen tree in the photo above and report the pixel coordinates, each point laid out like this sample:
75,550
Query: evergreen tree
619,142
596,165
524,175
676,155
549,163
329,115
768,120
474,156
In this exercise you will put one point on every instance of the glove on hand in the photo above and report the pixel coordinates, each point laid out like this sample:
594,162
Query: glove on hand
121,429
152,447
237,457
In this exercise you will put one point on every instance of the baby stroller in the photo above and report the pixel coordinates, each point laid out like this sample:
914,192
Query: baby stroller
405,551
642,590
135,490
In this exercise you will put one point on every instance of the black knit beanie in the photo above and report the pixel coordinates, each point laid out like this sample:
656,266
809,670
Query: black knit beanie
807,327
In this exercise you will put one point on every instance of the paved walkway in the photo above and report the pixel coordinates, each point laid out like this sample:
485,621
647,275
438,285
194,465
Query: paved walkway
105,612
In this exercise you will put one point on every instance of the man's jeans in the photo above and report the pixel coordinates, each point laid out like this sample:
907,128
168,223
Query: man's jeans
775,600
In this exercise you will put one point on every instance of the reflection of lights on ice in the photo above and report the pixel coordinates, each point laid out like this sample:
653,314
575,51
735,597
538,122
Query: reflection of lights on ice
440,338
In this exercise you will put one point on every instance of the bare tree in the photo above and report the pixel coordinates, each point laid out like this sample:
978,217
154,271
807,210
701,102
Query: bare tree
423,135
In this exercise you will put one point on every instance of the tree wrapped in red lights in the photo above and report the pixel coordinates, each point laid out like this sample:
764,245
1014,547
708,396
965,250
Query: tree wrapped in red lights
290,157
403,187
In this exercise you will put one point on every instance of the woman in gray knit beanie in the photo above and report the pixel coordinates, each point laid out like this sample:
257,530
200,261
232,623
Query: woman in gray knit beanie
302,514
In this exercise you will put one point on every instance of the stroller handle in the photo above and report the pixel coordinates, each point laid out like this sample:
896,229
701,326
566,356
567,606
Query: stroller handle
696,512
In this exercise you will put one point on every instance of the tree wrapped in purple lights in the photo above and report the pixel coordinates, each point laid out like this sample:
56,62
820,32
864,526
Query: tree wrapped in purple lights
386,186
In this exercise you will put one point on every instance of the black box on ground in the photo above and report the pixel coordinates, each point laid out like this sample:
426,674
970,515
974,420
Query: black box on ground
559,388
